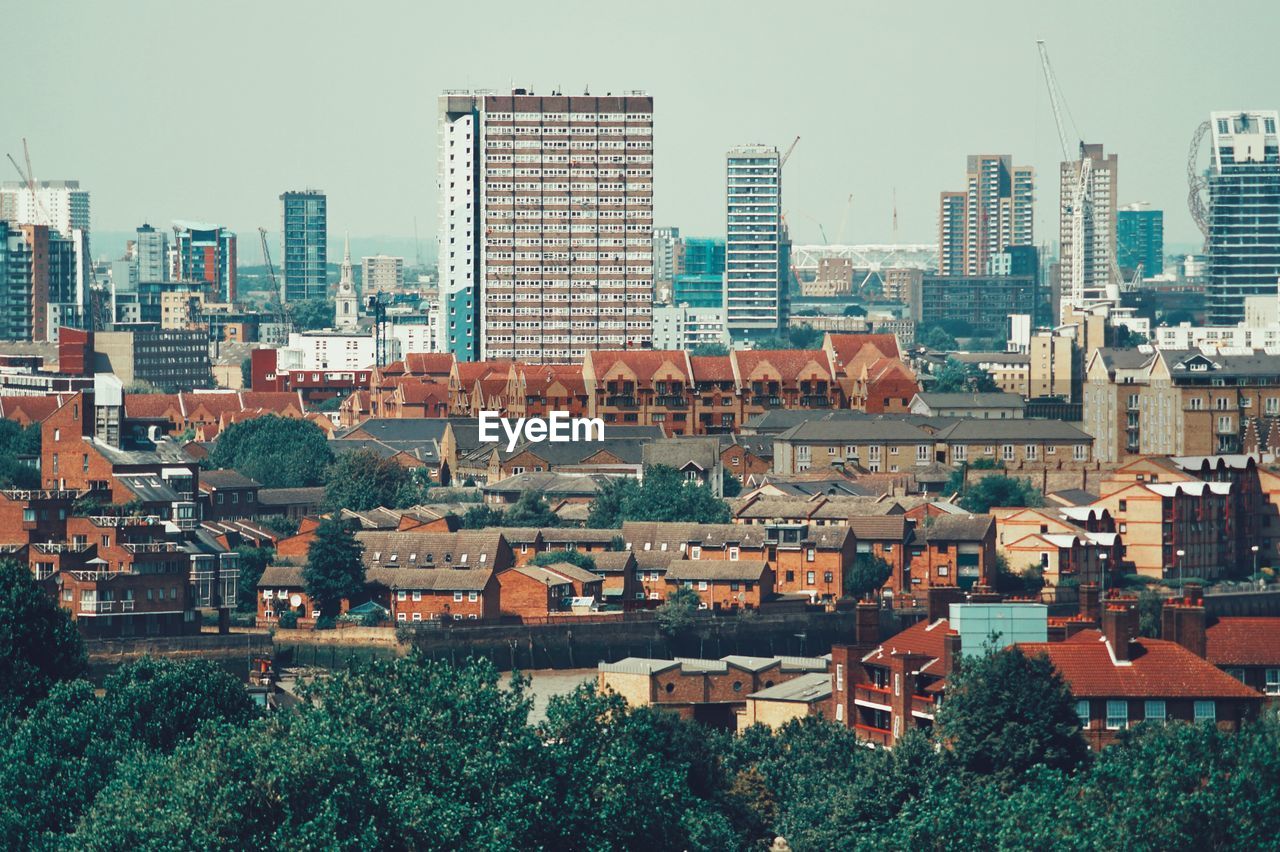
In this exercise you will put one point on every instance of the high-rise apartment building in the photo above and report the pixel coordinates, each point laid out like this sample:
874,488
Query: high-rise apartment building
1140,239
151,255
60,204
667,250
382,273
546,231
304,270
39,283
701,256
204,254
1088,270
995,211
756,251
1244,212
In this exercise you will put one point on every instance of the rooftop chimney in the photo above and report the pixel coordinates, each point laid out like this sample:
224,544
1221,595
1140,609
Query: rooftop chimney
984,594
1183,621
866,624
950,651
1120,625
1089,601
940,599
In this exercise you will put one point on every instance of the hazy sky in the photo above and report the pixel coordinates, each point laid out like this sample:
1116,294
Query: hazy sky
208,111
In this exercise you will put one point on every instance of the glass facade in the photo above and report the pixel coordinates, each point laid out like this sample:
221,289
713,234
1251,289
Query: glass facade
306,235
1140,234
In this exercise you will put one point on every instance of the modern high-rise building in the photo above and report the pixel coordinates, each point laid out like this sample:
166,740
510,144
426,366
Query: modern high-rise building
1244,212
60,204
205,254
1140,239
151,255
667,248
995,211
546,231
756,265
1091,277
39,282
702,256
304,270
382,273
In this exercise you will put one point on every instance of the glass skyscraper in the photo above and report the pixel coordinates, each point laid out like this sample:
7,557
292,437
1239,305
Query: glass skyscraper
1140,239
304,274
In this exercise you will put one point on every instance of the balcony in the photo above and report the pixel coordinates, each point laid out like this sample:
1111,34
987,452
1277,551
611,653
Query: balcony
124,520
671,401
879,736
923,705
97,607
875,695
150,546
60,547
620,401
765,401
29,494
815,402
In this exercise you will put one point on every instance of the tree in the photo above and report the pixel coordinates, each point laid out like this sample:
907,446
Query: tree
732,486
39,646
1001,490
1006,713
679,611
246,373
333,403
253,561
279,452
361,480
334,569
663,495
281,525
709,349
573,557
854,311
531,510
1150,612
483,516
17,443
938,338
867,574
957,377
311,314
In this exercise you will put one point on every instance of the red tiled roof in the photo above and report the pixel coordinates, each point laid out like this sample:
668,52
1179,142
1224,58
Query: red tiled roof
540,377
419,392
643,362
788,362
711,368
920,638
1157,669
278,401
427,364
214,403
150,405
34,408
849,346
471,371
1244,642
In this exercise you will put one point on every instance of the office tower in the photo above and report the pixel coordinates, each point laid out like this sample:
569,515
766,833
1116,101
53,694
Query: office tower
1089,271
346,302
205,254
994,211
1140,239
39,282
1244,212
151,255
755,276
563,189
381,273
304,274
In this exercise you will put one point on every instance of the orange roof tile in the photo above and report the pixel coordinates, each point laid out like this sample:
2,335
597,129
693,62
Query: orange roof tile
151,405
427,363
788,362
645,363
33,408
848,346
1244,642
711,368
920,638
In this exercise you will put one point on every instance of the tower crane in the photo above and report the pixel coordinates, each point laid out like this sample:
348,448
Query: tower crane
787,156
277,307
29,178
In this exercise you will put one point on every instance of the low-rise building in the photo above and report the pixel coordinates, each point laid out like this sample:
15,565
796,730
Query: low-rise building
984,406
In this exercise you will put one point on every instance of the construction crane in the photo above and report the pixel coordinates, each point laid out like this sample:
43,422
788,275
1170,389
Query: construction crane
787,156
1080,206
29,178
277,307
844,219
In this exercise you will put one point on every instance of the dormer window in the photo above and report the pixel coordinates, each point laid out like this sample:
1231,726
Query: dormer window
377,554
393,557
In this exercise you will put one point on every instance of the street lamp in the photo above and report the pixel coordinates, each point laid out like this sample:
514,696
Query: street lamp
1254,548
1179,554
1102,557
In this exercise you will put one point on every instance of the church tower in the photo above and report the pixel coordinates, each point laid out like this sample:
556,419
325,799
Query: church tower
346,305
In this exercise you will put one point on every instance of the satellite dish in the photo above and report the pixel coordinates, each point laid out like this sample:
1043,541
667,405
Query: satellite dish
296,600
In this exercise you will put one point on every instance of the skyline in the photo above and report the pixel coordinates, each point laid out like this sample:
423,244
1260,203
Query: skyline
389,70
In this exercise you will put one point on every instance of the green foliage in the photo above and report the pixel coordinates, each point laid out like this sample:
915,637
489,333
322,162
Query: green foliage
253,561
311,314
16,441
957,377
573,557
334,568
710,349
854,311
246,372
1005,713
1150,611
280,525
732,486
663,495
363,480
483,516
39,646
1000,490
279,452
938,338
679,611
867,574
531,510
288,619
801,336
1027,582
333,403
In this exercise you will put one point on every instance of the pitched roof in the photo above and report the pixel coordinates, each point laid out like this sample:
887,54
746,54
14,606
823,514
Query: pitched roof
848,346
1243,641
464,579
746,570
787,362
1156,669
226,479
976,401
559,573
711,368
957,528
477,548
281,575
645,363
980,431
805,689
922,637
291,496
887,431
879,527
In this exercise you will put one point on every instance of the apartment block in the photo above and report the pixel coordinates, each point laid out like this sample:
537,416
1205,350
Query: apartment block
757,264
382,273
1087,243
983,301
305,235
563,190
205,254
39,283
1140,240
995,211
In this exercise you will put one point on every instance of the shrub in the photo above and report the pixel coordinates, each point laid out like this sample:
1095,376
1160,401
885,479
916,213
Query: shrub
288,619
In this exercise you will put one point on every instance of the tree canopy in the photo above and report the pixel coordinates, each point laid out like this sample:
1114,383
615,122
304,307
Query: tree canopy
334,569
939,338
311,314
573,557
678,612
531,510
363,480
39,645
278,452
957,377
1000,490
663,495
16,442
867,574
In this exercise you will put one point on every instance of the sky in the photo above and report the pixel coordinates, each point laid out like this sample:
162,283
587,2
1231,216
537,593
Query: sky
209,111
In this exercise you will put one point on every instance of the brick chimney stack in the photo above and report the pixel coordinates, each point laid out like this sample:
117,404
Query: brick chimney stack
940,599
984,594
1089,601
1120,625
866,624
950,651
1183,620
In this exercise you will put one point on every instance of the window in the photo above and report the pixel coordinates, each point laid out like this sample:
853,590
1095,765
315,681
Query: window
810,554
733,554
1238,674
839,677
402,616
1080,452
1082,712
417,596
702,585
809,577
1273,682
417,616
1154,711
473,596
1006,452
457,597
1032,452
401,596
1117,715
1123,506
960,452
695,552
1206,711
